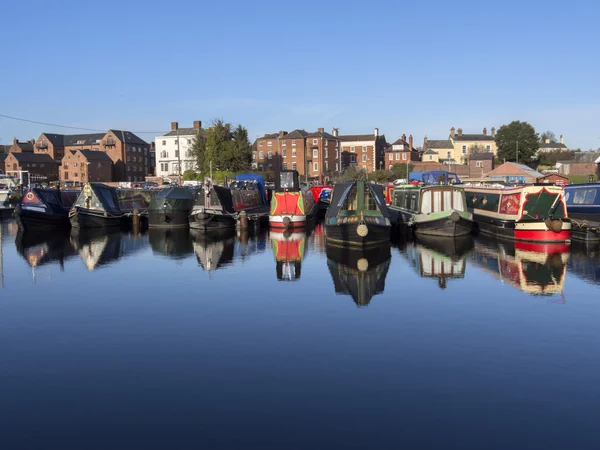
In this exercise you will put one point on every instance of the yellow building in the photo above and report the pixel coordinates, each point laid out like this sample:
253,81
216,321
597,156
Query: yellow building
465,144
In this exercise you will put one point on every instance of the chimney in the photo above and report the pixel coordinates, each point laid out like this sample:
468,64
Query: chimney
410,142
547,140
452,131
15,142
197,124
460,131
335,131
376,132
321,130
484,131
282,133
562,139
425,141
404,137
493,131
174,126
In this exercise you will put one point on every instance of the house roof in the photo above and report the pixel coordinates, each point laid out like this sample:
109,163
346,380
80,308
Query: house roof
296,134
321,134
5,148
552,145
431,152
510,168
183,132
128,137
33,158
357,137
481,156
3,156
472,137
269,136
55,139
554,175
92,155
88,139
445,143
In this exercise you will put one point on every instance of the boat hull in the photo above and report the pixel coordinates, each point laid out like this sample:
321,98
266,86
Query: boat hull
208,220
30,219
168,220
531,231
347,234
85,218
444,227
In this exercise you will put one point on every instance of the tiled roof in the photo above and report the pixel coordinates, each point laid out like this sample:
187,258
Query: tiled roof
33,158
92,155
3,156
55,139
269,136
510,168
183,132
552,145
473,137
5,148
322,134
128,137
88,139
446,143
296,134
431,152
357,137
26,146
481,156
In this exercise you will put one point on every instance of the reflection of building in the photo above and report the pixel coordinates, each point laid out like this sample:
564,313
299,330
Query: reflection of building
359,273
439,258
585,261
97,247
538,269
289,250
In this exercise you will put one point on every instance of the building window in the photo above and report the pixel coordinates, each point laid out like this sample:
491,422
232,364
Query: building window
253,156
176,154
352,149
315,153
284,166
260,155
397,156
270,155
479,164
391,166
464,149
283,152
326,152
326,165
260,143
326,141
315,141
449,155
364,158
283,144
294,142
315,166
404,155
353,159
269,144
294,153
337,167
364,149
337,154
176,141
270,166
430,157
294,165
488,148
391,156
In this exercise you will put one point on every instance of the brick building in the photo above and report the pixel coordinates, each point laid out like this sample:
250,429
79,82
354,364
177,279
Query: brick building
39,167
51,144
21,147
86,166
401,152
365,151
480,164
2,159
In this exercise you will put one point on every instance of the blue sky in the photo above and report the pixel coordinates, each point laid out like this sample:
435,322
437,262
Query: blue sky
405,67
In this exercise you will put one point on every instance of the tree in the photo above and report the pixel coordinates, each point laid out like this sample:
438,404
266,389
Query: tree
190,175
548,135
241,157
227,149
517,141
198,149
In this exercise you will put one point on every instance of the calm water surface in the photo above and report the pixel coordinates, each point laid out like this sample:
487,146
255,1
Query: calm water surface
174,340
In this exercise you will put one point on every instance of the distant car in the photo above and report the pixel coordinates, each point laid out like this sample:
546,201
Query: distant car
150,185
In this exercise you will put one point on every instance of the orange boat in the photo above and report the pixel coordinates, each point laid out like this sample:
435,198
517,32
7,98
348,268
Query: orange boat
291,207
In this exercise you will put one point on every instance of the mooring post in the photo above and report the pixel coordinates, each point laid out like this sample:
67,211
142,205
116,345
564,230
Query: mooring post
135,220
243,220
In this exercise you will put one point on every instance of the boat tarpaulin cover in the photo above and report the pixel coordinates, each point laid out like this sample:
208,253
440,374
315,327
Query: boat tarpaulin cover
340,192
377,192
174,199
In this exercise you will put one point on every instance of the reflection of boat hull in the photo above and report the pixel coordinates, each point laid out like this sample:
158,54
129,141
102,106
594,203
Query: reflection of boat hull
451,225
88,218
454,248
170,220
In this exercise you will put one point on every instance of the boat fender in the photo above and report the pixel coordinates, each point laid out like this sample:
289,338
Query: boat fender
553,225
286,221
362,264
454,217
362,230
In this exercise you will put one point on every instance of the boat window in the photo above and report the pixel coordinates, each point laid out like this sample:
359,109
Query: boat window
579,197
426,202
457,199
370,203
590,196
287,180
351,202
437,201
447,203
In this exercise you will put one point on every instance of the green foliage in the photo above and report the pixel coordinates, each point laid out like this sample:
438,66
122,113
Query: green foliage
401,171
578,179
548,135
228,149
353,173
198,149
521,132
220,175
191,175
550,159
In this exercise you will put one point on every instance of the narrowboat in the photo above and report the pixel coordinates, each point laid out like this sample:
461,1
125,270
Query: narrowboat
223,207
45,208
358,272
535,213
291,207
289,250
136,201
44,246
97,206
173,243
583,208
533,268
171,208
358,215
322,197
432,209
213,251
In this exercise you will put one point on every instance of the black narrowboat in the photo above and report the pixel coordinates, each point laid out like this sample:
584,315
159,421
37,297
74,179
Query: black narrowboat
45,208
97,206
171,208
358,215
583,207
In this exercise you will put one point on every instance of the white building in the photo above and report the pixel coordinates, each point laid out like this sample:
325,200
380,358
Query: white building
169,154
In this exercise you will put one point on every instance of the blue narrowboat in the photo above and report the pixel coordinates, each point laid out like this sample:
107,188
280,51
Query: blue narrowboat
583,207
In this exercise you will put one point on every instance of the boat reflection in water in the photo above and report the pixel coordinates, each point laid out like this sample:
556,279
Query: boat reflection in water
43,247
438,257
358,272
289,250
213,249
538,269
585,261
174,243
98,247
